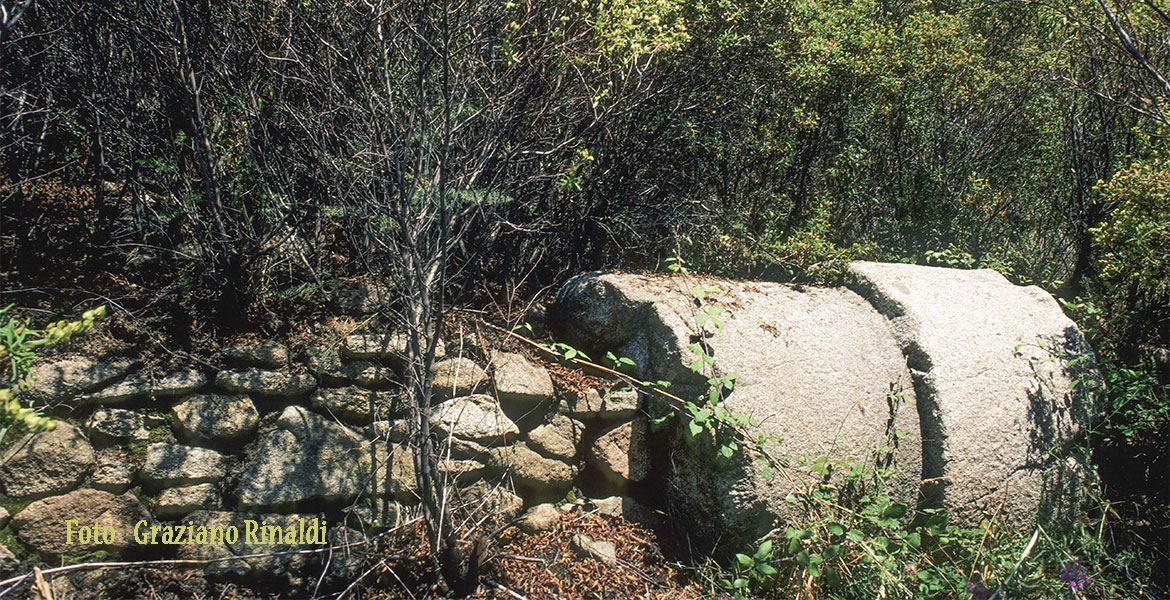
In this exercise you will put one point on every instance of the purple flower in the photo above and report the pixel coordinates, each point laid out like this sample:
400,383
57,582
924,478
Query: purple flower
1075,575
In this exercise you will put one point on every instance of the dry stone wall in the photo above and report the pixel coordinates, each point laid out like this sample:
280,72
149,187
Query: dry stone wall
280,438
975,388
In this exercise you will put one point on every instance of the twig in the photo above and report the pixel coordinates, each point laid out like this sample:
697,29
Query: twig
678,402
1020,561
521,558
506,590
983,540
639,573
359,578
12,582
41,586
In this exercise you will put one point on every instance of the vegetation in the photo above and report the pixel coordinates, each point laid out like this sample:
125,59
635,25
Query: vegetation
221,164
19,342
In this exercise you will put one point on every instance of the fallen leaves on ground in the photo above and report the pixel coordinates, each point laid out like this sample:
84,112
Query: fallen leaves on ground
543,566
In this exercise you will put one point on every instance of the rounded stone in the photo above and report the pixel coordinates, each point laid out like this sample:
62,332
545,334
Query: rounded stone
622,454
169,465
476,418
215,418
112,425
46,463
454,377
53,525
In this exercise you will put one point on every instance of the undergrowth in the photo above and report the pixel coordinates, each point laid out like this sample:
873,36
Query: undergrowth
854,541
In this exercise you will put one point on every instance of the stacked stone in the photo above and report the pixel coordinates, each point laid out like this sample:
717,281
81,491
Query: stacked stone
275,439
974,389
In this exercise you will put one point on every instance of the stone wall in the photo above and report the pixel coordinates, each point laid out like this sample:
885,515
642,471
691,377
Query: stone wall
279,438
977,390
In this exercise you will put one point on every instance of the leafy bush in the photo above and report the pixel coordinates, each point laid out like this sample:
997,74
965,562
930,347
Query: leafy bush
852,541
1138,403
1133,249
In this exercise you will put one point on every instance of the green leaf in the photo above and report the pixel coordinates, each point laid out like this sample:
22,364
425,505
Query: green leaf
894,510
695,428
764,551
832,577
855,535
766,569
744,560
802,558
656,423
835,529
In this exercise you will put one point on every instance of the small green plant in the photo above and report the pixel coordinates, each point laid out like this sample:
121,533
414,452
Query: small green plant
621,364
1138,404
849,538
567,352
751,570
723,424
569,498
19,343
572,178
950,257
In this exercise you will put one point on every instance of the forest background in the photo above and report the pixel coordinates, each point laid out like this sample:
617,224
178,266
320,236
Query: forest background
214,166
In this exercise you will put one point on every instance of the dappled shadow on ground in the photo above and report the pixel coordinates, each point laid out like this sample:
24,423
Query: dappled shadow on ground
539,566
544,565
